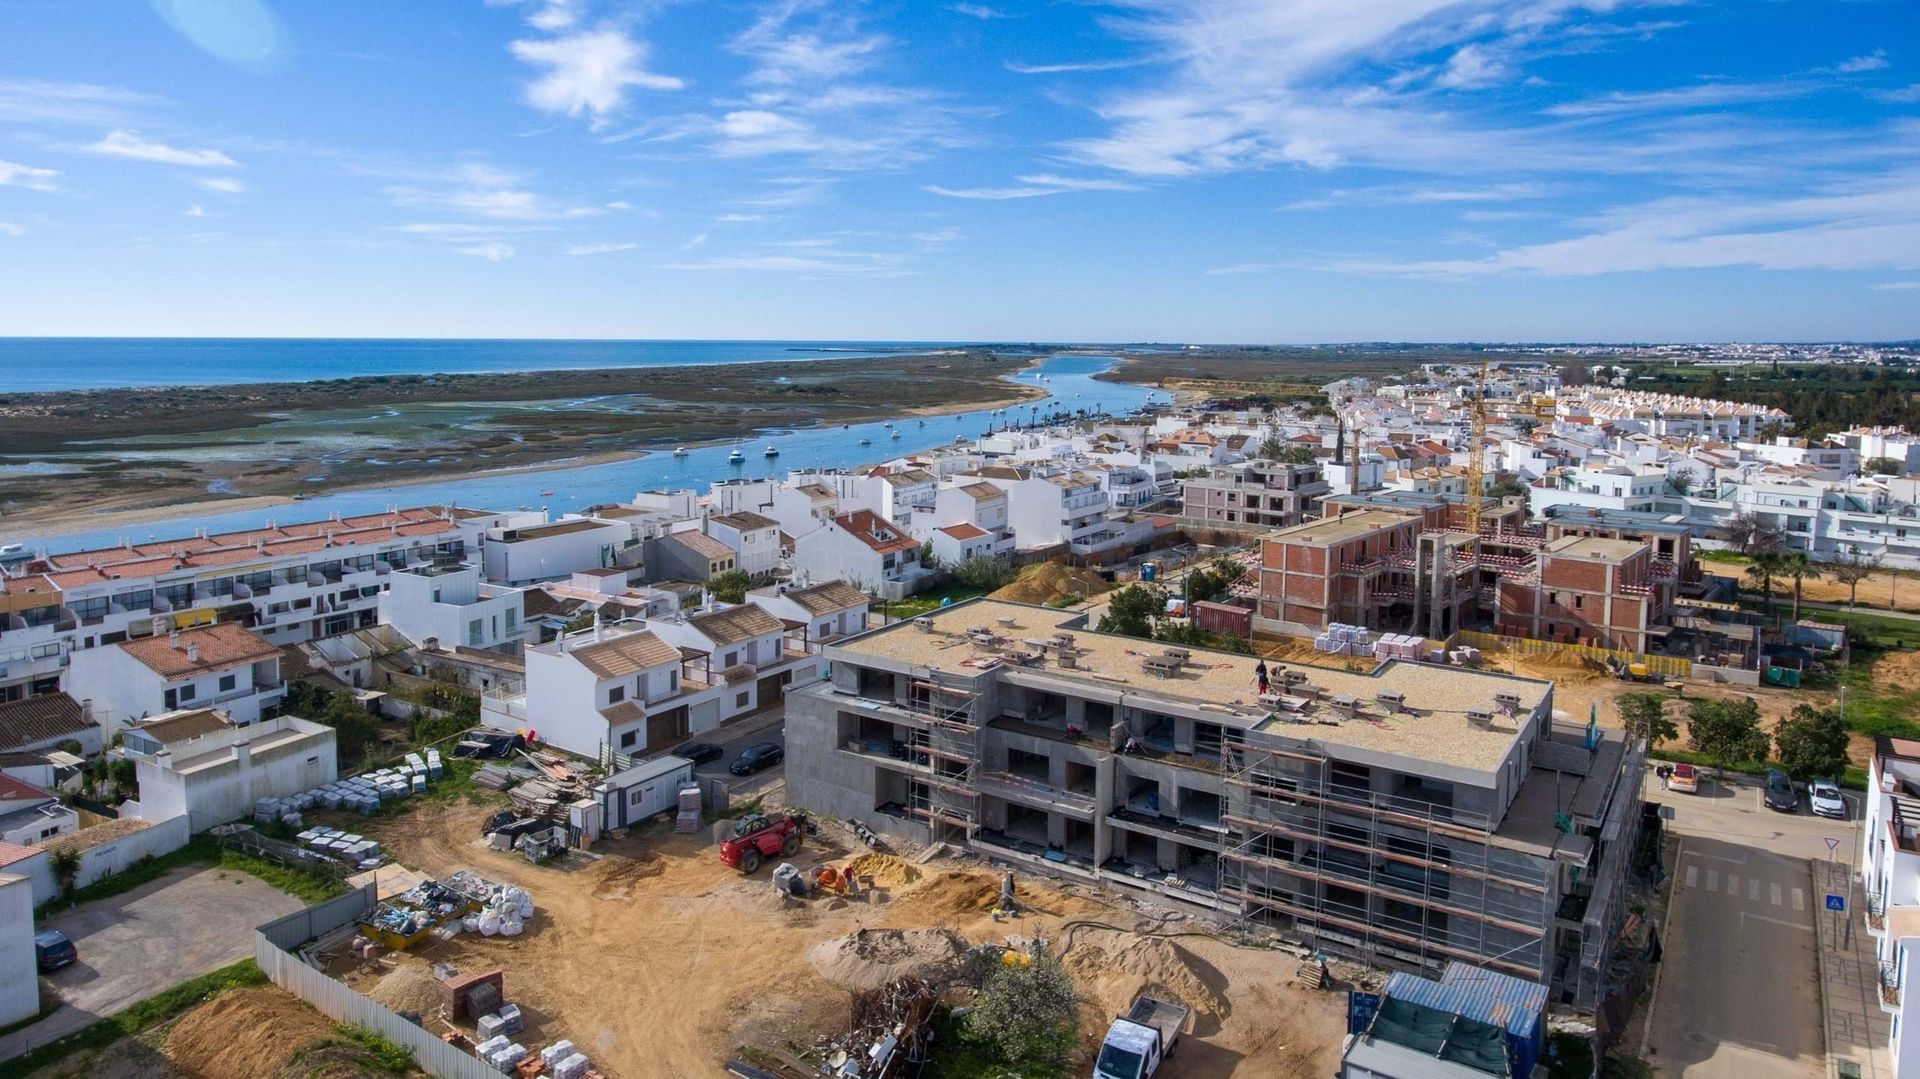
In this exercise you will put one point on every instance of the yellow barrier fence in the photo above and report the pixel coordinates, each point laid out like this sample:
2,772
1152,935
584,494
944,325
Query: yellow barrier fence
1664,666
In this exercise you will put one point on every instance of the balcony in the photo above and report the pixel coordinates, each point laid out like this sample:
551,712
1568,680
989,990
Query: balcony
1890,987
1034,792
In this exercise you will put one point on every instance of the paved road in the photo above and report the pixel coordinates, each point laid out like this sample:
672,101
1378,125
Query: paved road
138,943
1739,992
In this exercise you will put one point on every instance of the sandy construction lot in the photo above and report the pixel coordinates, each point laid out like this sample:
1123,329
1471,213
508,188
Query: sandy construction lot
657,960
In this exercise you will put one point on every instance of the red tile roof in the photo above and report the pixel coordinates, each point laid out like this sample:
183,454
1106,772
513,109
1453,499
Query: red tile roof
963,531
876,531
217,648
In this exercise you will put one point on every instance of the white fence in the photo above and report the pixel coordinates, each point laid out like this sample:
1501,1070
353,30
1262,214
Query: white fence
272,950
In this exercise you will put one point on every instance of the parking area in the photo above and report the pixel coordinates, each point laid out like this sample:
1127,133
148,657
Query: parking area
156,936
1739,991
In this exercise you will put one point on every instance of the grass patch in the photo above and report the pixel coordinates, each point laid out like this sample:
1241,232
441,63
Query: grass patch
308,885
382,1053
1880,629
916,605
311,885
1855,778
959,1055
148,1013
1716,554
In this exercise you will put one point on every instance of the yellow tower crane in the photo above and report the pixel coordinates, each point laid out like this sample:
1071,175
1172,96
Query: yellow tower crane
1477,452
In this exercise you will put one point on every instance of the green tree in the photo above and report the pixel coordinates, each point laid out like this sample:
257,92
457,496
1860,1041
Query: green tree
1797,565
1272,448
1645,716
1726,732
1768,566
1812,742
927,557
1681,482
354,728
1298,455
729,586
1028,1011
65,863
1882,466
982,573
1750,535
1132,611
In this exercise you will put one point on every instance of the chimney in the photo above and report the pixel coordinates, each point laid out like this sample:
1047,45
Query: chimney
596,626
173,638
193,653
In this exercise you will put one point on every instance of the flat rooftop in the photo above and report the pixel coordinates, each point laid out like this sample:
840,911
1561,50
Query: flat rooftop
1435,729
1347,526
1599,550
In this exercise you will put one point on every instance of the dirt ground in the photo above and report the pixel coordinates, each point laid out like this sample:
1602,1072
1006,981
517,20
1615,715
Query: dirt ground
658,960
1893,590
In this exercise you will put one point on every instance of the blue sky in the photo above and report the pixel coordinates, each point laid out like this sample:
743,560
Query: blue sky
1202,170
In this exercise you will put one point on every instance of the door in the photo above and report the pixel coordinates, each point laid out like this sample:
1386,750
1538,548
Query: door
773,689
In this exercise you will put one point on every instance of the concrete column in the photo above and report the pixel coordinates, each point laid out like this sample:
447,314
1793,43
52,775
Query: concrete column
1104,798
243,753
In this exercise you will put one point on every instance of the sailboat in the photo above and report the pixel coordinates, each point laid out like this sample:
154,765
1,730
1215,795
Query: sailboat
772,450
866,442
736,457
680,451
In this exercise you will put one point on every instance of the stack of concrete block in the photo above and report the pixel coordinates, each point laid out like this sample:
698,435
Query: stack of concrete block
688,818
573,1067
557,1052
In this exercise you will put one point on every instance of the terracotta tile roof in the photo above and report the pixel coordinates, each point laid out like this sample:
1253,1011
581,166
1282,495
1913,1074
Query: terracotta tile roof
88,838
628,653
982,492
181,726
28,585
828,598
703,545
13,853
33,721
963,531
15,790
226,548
745,520
220,646
876,531
735,624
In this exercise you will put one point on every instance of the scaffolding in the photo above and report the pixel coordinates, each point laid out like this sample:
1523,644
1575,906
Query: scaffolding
1423,884
946,797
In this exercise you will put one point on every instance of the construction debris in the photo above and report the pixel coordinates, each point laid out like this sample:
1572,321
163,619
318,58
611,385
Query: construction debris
891,1033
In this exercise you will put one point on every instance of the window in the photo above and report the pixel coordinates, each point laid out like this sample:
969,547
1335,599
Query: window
189,692
627,740
740,700
49,833
732,658
227,683
476,631
616,694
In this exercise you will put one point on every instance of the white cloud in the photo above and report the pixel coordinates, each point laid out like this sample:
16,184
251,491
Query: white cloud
1420,194
1899,285
979,11
27,176
485,191
1906,95
1872,61
831,48
8,228
129,145
589,72
945,235
696,241
619,204
599,248
1071,67
1033,186
1709,95
225,185
492,252
194,210
1869,226
40,101
741,219
757,124
1472,67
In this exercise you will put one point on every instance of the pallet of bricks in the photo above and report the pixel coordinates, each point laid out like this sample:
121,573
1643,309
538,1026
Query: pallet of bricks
688,817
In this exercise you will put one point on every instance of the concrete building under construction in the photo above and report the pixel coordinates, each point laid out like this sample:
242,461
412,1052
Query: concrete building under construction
1410,814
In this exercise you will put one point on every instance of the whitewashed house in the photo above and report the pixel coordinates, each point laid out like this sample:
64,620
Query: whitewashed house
546,552
823,612
753,537
863,549
224,666
745,651
29,814
200,764
452,607
608,689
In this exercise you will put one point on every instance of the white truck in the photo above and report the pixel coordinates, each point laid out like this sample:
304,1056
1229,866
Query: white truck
1139,1041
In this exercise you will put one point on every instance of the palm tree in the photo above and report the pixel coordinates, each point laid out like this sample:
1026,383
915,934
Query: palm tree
1797,565
1767,566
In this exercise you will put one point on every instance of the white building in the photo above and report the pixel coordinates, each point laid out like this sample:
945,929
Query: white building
1063,508
29,814
46,721
743,650
753,537
546,552
863,549
449,606
1890,876
222,666
201,764
822,612
287,582
19,963
609,689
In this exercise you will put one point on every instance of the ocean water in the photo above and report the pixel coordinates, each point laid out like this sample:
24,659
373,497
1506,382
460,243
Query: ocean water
30,364
1069,380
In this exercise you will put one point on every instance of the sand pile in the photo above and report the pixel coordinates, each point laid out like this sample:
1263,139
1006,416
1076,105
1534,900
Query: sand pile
1044,582
245,1034
411,987
1569,667
870,958
955,893
1121,966
887,870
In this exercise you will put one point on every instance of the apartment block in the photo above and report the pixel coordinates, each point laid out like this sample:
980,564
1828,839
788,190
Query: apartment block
1413,814
451,607
1255,494
1605,592
1890,876
288,583
224,666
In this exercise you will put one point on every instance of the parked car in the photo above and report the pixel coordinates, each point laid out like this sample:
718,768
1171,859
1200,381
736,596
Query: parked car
1685,779
697,752
1826,799
755,757
52,950
1781,797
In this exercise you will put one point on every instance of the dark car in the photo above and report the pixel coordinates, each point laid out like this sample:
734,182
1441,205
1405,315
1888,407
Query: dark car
1780,792
697,752
53,950
755,757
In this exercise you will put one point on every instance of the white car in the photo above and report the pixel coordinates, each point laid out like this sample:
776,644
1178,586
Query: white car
1827,799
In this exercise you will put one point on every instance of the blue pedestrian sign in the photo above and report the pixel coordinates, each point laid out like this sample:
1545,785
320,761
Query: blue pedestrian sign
1836,902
